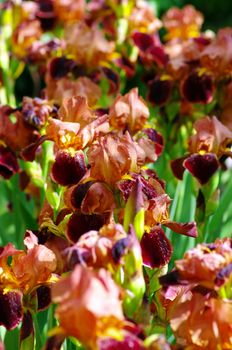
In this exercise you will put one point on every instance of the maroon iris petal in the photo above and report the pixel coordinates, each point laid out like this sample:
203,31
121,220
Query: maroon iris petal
188,229
8,163
202,41
127,66
178,168
128,343
125,186
67,169
171,278
198,88
79,193
59,67
27,328
148,190
158,55
29,152
55,342
156,248
11,309
159,91
150,48
46,14
143,41
43,297
153,175
101,111
79,224
202,166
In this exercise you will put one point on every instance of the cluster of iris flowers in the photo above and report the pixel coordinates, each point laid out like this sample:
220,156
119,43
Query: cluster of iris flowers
115,146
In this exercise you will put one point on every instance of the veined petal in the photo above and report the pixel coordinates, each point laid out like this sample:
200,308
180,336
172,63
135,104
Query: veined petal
188,229
156,248
11,309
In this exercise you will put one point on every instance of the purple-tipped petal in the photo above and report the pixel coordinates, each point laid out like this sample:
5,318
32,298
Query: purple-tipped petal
8,163
223,275
156,248
67,169
157,138
119,248
198,88
73,256
11,309
202,166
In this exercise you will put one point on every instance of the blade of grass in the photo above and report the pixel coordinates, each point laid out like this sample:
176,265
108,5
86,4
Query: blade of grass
223,209
182,210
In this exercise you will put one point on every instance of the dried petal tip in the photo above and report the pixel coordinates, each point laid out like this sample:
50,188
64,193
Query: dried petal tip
187,229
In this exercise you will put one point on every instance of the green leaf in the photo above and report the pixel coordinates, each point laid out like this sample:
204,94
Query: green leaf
53,198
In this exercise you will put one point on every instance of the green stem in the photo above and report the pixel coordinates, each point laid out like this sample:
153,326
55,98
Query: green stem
39,342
